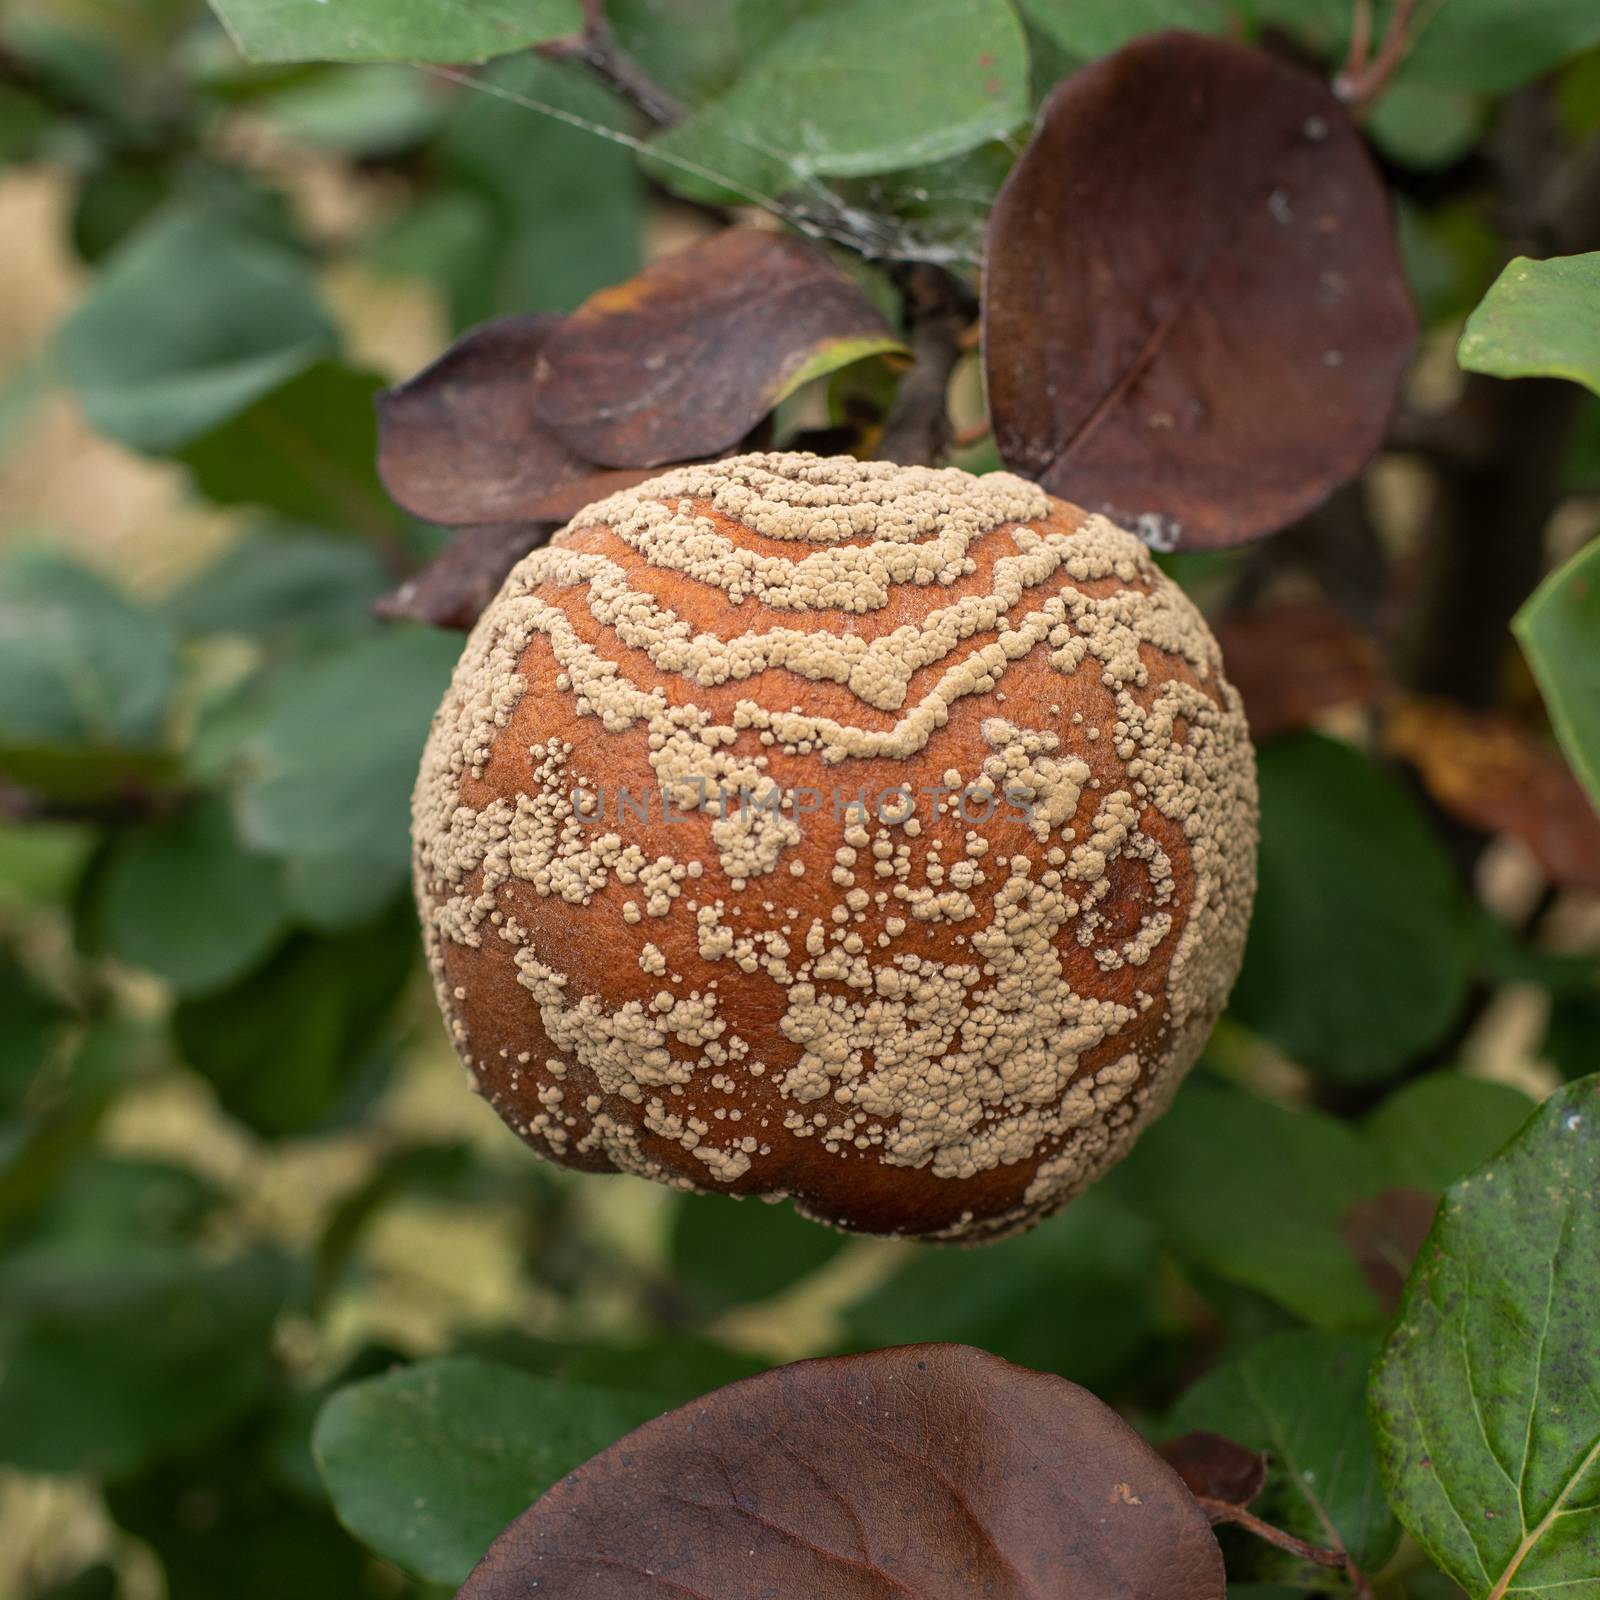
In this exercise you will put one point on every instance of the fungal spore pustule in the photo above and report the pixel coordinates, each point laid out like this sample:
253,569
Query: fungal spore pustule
881,837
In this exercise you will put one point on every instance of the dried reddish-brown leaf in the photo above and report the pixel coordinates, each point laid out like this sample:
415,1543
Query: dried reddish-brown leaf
934,1470
1195,315
1223,1475
462,443
1294,661
684,359
1489,772
1384,1235
465,576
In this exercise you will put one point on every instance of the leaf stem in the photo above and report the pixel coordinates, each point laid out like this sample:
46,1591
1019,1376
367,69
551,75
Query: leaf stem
1221,1511
1360,39
1365,75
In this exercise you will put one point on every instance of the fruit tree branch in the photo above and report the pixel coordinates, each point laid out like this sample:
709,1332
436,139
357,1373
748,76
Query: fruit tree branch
939,310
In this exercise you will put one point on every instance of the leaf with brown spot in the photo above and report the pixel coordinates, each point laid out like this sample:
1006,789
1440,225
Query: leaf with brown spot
684,359
1216,1469
1489,772
1384,1235
932,1470
1195,314
1294,661
465,576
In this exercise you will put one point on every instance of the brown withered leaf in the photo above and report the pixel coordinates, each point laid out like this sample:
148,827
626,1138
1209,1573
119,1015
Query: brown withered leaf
931,1470
1195,317
1294,660
1489,772
1384,1235
461,442
465,576
1223,1475
684,359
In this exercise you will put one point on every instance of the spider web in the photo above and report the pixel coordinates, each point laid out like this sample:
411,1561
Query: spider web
934,214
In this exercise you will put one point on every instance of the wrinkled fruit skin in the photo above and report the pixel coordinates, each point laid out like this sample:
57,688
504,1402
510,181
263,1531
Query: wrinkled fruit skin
943,1016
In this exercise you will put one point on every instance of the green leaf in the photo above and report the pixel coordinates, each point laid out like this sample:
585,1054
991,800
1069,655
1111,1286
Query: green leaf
306,450
1492,47
32,1022
691,47
1558,628
221,1522
79,665
852,88
541,213
109,1237
1485,1403
333,762
1357,954
1256,1192
186,899
1540,319
674,1368
106,1392
285,1047
1573,1028
360,111
1076,1295
116,197
41,862
193,320
24,124
281,581
1425,127
729,1252
1441,1127
1088,29
334,892
428,1464
392,30
1299,1397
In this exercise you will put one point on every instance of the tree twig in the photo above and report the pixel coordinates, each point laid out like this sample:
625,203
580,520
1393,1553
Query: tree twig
1366,75
595,46
939,309
1360,39
134,803
1483,536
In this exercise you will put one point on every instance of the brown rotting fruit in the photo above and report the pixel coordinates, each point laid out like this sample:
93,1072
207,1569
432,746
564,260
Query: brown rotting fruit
667,939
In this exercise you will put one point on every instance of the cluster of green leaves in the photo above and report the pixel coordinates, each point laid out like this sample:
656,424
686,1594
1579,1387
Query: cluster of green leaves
203,872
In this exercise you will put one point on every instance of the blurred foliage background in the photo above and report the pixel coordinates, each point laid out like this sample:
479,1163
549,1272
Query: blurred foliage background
238,1165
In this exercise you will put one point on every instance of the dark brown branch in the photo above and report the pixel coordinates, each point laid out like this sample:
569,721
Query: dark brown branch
1336,544
939,310
1483,539
1445,438
595,46
134,803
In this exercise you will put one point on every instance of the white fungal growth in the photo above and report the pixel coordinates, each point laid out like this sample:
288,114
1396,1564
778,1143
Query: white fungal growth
787,994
